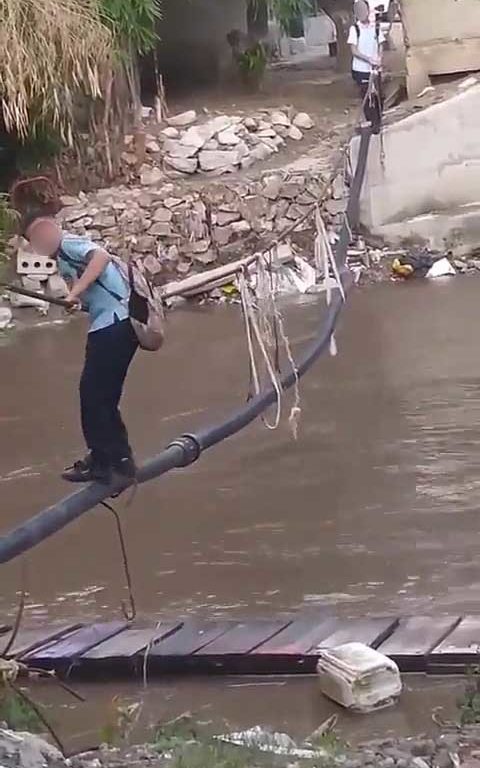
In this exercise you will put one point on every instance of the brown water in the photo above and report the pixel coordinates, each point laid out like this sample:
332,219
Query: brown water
373,510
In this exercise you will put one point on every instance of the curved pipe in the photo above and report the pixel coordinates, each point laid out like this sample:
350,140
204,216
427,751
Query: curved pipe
186,449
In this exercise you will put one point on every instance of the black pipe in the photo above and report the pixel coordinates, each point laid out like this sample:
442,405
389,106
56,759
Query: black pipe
187,449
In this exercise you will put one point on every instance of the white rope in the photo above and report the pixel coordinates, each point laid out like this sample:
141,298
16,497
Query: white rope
324,260
251,355
252,323
295,411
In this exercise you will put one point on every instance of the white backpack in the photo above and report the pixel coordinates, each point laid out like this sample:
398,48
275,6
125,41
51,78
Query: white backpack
144,307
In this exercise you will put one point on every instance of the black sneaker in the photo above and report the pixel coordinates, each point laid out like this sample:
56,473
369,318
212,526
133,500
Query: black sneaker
86,471
126,468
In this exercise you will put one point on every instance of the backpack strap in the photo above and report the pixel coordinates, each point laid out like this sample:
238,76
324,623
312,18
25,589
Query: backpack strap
79,272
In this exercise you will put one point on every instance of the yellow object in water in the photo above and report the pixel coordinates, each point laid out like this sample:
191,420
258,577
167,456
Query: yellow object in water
402,270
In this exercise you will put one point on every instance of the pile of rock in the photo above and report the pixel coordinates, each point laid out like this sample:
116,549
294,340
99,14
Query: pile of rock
450,749
178,229
220,144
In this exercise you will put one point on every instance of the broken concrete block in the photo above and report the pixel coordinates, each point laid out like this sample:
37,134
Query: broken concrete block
170,133
152,264
272,187
150,176
214,161
280,118
208,257
303,121
267,133
6,317
197,136
226,217
334,207
260,152
222,235
30,263
228,138
182,164
358,677
162,214
250,123
175,148
295,133
153,147
240,227
200,246
16,300
160,229
183,119
57,287
339,189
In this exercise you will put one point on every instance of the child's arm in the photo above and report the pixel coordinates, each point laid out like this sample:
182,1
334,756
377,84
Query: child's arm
97,261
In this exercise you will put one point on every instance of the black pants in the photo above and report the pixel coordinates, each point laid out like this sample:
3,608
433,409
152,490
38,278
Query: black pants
373,106
108,356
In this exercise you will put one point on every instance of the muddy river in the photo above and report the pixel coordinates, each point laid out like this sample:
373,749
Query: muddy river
373,510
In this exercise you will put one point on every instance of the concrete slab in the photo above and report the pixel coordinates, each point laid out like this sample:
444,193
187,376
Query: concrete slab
422,177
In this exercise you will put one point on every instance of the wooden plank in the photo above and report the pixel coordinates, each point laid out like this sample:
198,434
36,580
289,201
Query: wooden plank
194,635
77,643
460,647
29,639
415,638
243,638
371,632
299,637
133,641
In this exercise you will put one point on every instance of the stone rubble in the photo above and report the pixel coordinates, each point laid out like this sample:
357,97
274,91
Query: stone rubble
177,228
220,144
450,748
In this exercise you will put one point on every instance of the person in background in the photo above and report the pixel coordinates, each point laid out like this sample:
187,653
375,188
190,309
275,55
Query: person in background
97,285
365,40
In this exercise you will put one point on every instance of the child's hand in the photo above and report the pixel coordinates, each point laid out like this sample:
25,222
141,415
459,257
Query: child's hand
74,302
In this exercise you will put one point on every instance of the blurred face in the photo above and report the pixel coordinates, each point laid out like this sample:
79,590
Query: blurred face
44,235
362,11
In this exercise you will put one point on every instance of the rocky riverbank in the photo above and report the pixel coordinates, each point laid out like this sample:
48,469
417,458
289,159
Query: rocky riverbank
451,748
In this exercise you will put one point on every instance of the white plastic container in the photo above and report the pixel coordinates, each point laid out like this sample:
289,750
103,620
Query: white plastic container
359,678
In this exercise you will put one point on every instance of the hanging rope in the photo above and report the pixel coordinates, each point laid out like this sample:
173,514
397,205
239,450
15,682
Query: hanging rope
253,331
129,609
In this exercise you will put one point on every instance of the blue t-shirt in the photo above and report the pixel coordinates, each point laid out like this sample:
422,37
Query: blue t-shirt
107,298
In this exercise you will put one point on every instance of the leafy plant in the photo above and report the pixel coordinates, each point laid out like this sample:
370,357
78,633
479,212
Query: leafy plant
8,219
252,64
286,11
132,22
175,733
16,712
469,703
212,753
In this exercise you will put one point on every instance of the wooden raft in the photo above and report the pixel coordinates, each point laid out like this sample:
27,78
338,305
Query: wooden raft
287,645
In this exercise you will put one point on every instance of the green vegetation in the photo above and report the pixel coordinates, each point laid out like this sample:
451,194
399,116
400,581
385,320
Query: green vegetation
132,23
469,703
8,221
252,63
17,712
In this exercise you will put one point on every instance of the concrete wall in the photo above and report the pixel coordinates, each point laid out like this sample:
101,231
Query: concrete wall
428,185
194,48
443,37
